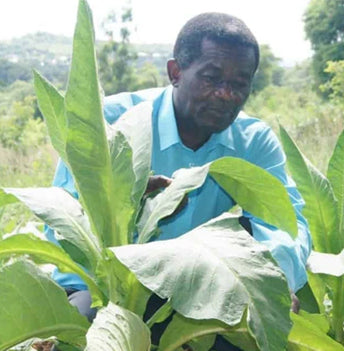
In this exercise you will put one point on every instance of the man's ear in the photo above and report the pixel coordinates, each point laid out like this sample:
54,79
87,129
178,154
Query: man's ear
173,71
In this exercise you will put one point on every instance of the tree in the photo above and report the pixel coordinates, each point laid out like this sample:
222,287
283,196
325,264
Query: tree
116,58
269,71
335,86
324,27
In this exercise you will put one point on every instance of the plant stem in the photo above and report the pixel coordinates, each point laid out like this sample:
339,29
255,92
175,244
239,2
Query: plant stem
160,315
338,310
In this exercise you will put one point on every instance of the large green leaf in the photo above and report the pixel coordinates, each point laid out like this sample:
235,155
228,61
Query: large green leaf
63,213
136,126
203,343
256,191
335,174
123,287
181,330
309,334
86,145
130,146
117,329
320,285
32,305
321,208
217,271
253,188
308,300
183,181
51,104
46,252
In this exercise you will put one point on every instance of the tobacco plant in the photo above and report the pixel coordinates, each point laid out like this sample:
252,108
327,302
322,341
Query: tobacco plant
216,279
324,211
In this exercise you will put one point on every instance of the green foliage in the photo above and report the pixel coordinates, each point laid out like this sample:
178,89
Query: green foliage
314,123
39,307
117,57
148,76
324,211
10,72
119,66
324,27
223,257
103,334
335,86
19,129
269,72
116,165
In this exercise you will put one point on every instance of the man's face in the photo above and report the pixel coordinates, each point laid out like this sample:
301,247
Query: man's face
209,94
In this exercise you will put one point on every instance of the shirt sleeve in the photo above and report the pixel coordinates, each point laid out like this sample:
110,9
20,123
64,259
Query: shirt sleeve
291,254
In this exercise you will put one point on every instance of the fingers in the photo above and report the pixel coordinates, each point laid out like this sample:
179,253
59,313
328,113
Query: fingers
157,182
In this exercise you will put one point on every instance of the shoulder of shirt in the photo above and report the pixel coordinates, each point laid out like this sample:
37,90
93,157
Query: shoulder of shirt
116,105
249,125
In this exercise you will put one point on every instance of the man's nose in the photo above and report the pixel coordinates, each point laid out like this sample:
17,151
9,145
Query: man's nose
224,91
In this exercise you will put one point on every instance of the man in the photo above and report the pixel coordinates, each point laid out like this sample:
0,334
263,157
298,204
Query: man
198,119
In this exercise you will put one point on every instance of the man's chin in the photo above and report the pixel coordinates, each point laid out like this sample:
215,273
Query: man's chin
218,128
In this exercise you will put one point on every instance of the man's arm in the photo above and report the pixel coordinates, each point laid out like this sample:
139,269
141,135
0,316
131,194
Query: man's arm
291,255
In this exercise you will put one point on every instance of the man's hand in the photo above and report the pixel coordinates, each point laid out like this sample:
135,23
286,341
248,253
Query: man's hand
157,182
160,182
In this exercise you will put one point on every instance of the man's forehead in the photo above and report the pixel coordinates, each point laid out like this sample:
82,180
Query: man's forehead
220,47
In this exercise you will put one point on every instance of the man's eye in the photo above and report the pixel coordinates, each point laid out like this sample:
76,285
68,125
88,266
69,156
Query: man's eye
240,85
209,79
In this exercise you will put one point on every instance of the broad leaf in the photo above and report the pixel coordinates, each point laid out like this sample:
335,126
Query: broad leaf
238,272
253,188
130,147
203,343
321,208
335,174
64,214
182,330
136,126
161,314
46,252
309,334
183,181
32,305
116,328
86,146
307,298
326,263
320,287
256,191
123,287
51,104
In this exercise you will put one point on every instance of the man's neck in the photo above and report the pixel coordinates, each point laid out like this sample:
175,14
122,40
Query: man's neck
190,136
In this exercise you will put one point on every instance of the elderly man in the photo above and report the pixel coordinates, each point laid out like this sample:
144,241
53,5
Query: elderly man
198,119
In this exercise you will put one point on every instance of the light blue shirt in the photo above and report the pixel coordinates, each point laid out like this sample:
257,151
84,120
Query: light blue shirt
247,138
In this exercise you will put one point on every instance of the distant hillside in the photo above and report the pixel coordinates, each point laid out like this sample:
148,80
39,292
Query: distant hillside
36,45
51,55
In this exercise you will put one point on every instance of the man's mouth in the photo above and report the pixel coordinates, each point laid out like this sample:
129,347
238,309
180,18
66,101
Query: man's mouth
220,112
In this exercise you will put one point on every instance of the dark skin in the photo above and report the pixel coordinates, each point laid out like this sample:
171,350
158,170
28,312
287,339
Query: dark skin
208,96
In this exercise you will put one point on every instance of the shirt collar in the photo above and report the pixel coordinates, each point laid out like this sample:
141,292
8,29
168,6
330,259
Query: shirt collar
168,131
167,126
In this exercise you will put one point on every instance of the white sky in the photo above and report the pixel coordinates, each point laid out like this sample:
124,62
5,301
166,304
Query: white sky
277,23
